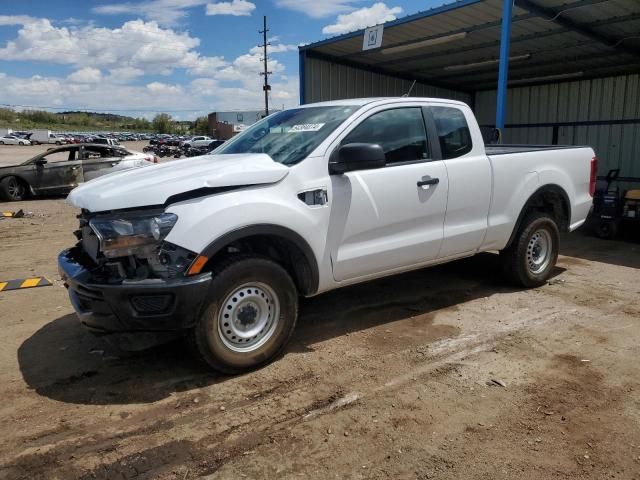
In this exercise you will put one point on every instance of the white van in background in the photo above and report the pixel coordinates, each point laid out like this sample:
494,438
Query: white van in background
42,135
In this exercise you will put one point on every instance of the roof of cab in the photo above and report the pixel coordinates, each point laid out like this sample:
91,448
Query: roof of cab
360,102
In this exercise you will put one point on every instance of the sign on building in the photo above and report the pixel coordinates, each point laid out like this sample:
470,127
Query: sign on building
372,37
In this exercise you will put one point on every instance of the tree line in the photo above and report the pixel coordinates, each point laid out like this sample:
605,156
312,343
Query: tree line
90,121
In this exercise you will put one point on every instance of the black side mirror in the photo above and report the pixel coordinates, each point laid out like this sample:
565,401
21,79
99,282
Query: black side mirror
356,156
40,161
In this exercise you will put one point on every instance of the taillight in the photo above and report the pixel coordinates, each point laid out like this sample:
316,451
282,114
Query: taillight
593,177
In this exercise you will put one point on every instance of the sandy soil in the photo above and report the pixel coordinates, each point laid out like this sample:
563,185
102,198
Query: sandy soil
382,380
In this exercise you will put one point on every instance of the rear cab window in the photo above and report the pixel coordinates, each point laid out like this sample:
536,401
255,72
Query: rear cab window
453,132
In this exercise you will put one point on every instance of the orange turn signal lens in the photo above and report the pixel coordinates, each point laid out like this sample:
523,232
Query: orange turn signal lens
197,265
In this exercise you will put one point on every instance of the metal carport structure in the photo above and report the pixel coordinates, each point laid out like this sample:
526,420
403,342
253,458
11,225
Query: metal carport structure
573,73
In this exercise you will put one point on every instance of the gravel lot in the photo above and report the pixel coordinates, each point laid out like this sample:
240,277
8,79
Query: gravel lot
383,380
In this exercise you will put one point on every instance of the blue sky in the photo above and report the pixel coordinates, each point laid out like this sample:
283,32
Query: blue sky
188,57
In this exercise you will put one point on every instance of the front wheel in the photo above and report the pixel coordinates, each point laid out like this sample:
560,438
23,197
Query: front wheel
250,316
532,255
12,189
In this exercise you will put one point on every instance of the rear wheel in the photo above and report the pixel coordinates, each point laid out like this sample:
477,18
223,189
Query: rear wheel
532,255
1,142
606,229
12,189
251,313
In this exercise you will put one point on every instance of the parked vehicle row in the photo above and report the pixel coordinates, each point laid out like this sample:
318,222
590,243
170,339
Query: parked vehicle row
185,150
44,136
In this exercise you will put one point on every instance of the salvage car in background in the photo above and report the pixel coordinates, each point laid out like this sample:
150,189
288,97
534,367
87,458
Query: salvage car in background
60,169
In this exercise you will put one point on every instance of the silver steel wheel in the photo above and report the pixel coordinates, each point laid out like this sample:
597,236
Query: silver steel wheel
539,251
15,188
248,317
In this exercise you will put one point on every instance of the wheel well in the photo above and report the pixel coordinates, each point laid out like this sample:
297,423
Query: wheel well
550,199
296,258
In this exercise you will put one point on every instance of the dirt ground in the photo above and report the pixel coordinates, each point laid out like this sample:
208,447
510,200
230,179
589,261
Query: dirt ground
443,373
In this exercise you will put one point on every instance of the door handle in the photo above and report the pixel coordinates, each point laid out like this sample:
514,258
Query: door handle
74,168
428,181
114,164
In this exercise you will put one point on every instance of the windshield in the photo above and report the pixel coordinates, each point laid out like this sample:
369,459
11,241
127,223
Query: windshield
291,135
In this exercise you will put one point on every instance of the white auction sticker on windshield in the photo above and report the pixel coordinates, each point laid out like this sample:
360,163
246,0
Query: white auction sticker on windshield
307,127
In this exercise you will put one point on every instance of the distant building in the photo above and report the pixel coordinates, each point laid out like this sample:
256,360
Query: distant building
224,125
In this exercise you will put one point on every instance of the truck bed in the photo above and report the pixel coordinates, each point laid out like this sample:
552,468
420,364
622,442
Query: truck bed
506,149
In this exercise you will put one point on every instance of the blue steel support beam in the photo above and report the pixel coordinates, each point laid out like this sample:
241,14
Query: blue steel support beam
503,72
301,56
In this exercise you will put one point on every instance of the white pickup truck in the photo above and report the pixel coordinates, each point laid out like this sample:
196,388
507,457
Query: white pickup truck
220,247
196,142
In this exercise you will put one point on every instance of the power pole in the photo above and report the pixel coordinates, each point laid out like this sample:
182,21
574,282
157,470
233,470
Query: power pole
266,87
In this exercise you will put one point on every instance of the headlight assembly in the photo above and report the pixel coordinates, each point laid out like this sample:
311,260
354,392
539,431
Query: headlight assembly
131,233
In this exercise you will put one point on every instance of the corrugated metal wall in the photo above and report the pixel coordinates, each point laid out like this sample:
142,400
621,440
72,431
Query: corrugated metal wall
330,81
606,99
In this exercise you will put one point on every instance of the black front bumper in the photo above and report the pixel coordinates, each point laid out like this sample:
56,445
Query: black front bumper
153,305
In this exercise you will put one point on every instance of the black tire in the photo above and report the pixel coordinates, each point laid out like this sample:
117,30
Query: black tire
12,189
519,259
58,143
1,143
606,229
231,278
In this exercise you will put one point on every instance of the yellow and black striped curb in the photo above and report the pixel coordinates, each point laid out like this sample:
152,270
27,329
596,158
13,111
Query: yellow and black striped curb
18,214
24,283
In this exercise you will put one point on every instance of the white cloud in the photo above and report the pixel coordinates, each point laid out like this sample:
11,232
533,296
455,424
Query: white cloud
237,8
165,12
246,68
86,75
275,48
318,8
198,97
124,74
198,65
364,17
110,66
164,88
137,45
16,19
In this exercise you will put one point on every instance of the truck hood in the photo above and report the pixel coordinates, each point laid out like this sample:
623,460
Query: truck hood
155,184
